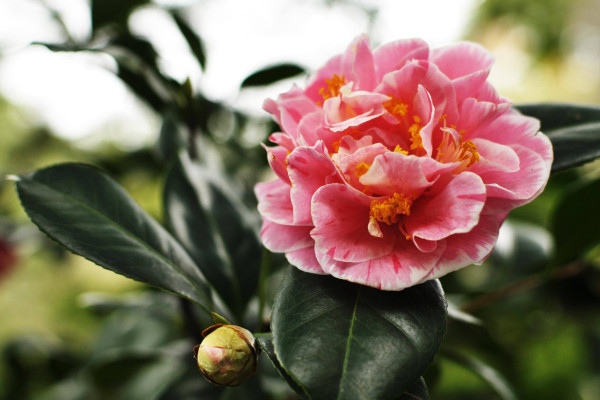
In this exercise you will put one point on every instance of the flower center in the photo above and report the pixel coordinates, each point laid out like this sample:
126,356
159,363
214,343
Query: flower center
453,148
333,87
388,211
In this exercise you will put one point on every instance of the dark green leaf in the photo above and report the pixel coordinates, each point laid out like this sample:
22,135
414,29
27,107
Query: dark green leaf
272,74
340,340
486,372
418,391
170,139
64,47
265,342
575,222
573,129
575,145
142,48
192,39
141,86
90,214
113,12
557,115
212,225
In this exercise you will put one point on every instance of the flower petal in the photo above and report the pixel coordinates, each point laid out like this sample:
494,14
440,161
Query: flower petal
305,260
405,266
274,201
454,209
308,169
392,56
341,218
284,238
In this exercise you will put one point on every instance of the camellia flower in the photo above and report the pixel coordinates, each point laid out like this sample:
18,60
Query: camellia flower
397,165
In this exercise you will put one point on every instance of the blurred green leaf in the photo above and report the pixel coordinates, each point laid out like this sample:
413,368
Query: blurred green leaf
342,340
90,214
133,375
113,12
573,129
141,86
192,39
142,48
265,342
575,221
486,372
272,74
212,224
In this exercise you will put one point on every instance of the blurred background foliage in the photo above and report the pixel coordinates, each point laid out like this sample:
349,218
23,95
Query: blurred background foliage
524,325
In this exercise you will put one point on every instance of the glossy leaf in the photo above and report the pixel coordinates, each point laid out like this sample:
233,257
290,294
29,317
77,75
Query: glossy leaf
560,115
340,340
272,74
193,40
265,342
573,129
211,224
575,222
86,211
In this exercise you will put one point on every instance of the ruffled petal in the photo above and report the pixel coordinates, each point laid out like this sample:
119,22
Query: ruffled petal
284,238
305,260
341,218
274,201
454,209
392,56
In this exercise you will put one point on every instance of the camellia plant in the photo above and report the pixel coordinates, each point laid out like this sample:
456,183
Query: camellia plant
393,167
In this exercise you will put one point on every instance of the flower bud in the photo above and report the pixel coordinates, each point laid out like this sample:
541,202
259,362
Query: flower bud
227,356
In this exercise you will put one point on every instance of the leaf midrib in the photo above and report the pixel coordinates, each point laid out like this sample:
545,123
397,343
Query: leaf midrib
348,344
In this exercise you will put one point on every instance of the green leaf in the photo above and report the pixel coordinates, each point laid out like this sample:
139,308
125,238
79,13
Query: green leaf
573,129
558,115
484,371
340,340
212,225
192,39
272,74
265,342
86,211
575,222
141,85
142,48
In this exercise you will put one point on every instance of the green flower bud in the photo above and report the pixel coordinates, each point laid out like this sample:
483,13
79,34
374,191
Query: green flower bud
227,356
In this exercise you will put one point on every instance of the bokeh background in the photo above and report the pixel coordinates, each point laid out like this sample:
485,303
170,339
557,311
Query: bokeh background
116,83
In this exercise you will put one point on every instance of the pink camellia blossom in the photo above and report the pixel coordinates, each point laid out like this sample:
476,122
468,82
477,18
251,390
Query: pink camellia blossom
397,165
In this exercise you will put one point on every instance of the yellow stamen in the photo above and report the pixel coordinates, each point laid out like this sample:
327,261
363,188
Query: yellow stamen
395,107
361,169
398,149
452,150
389,211
333,87
415,133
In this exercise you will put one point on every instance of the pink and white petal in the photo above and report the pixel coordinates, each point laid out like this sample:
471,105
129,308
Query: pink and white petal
318,80
467,248
522,185
403,84
512,127
311,130
494,157
274,201
347,163
276,157
305,260
476,115
283,139
461,59
454,209
394,55
352,109
308,169
404,267
396,173
341,218
284,238
357,64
